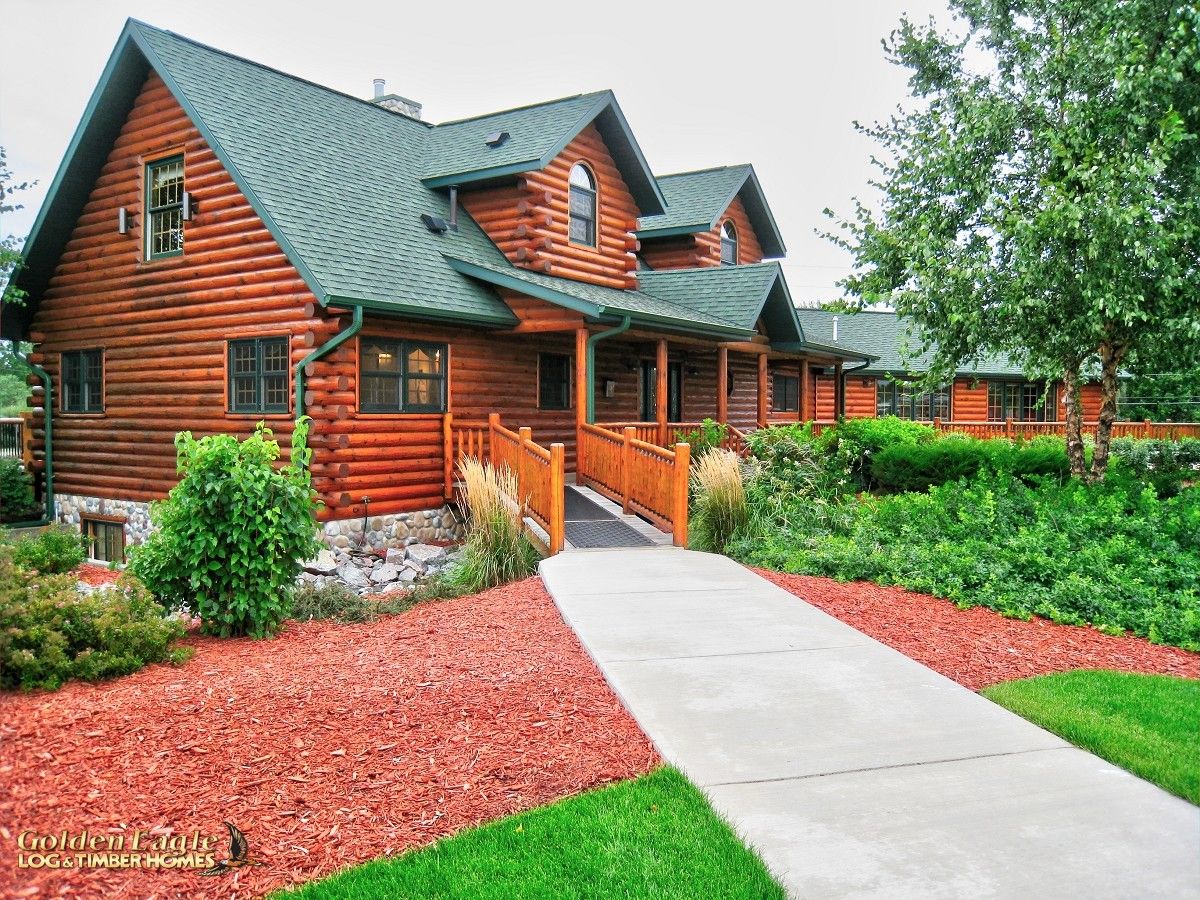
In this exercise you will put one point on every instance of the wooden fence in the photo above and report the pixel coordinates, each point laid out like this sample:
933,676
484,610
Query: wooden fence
540,472
643,477
12,438
675,433
1011,428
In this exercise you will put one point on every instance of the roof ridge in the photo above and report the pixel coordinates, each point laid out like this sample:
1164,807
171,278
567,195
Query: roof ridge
512,109
324,87
707,170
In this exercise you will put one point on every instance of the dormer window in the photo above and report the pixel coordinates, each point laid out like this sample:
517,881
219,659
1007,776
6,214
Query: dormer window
581,203
164,207
729,242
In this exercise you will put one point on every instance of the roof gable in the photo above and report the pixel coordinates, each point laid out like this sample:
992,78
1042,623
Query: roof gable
696,201
739,294
458,152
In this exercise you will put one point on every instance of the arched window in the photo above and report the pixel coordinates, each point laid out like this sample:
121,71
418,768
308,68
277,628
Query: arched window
581,202
729,254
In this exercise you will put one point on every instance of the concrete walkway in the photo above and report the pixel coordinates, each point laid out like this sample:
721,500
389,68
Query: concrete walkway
852,769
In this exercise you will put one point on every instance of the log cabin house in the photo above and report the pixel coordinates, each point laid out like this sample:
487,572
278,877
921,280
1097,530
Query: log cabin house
225,243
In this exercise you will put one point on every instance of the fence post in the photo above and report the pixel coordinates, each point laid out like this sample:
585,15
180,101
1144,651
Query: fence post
937,423
493,421
448,455
1008,428
679,515
579,468
526,434
558,498
628,433
1146,428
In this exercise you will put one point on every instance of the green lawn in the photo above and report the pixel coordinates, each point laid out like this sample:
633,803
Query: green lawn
1148,724
652,837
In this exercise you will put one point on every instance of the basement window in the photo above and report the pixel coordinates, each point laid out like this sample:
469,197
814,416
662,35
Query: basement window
258,375
785,393
581,202
83,381
402,376
554,381
164,208
104,539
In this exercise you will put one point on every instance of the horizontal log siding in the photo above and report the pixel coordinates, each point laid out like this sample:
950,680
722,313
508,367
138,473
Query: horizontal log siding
860,397
163,324
528,219
968,403
674,253
708,243
824,398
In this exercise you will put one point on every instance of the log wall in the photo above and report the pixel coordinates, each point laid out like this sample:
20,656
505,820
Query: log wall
704,249
528,219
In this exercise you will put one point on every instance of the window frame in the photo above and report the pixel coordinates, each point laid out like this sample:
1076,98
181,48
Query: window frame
82,385
107,524
594,193
731,241
900,399
260,407
402,347
1019,401
794,380
150,211
566,383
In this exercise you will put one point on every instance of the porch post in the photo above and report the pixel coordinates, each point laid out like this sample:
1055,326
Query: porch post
660,392
583,378
762,390
805,412
723,385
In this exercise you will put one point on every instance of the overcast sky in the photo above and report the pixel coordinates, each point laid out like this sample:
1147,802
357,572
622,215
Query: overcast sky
702,84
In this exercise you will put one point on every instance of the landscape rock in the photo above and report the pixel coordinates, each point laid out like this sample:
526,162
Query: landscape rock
385,573
425,555
395,556
353,575
324,564
396,587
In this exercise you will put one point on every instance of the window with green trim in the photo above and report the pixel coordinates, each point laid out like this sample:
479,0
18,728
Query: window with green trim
258,375
1021,401
402,376
83,381
785,393
554,381
729,245
581,206
164,207
105,540
900,399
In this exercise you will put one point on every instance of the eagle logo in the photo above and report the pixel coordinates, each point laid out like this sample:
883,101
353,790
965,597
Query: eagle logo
239,853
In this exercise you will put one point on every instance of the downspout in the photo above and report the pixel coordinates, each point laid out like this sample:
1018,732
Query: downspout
841,413
592,341
48,401
329,346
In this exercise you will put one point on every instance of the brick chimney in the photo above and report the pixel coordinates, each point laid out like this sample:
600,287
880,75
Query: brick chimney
395,102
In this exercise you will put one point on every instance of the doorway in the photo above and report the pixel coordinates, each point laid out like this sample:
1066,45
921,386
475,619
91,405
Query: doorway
648,395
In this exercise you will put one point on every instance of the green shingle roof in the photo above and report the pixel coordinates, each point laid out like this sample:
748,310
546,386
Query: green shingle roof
737,294
884,334
697,200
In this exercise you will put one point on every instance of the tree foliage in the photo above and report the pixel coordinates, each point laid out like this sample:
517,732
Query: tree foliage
1041,193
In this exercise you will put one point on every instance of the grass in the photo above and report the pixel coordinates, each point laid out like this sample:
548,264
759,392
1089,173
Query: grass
1148,724
652,837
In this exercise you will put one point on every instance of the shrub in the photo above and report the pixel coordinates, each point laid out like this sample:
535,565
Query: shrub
719,510
16,492
233,533
57,549
918,467
496,550
50,633
708,437
852,444
1167,465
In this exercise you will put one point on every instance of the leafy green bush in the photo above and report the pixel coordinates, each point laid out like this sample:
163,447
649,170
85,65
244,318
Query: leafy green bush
852,444
50,633
1111,554
1167,465
16,492
709,436
719,510
57,549
496,550
917,467
233,533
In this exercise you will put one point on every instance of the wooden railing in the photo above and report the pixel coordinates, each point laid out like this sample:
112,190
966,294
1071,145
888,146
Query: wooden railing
677,432
643,477
1011,428
12,438
540,472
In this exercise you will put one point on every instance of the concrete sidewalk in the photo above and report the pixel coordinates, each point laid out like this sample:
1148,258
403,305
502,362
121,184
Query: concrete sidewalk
852,769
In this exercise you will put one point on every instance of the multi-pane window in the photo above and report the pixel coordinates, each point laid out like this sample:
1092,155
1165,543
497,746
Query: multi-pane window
402,376
902,400
83,381
164,207
785,393
1021,401
105,540
554,381
258,375
581,202
729,245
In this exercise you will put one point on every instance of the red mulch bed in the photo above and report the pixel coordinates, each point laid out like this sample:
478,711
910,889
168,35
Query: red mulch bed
978,647
328,745
95,575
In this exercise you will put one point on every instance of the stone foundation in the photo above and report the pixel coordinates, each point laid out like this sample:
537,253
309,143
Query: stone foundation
394,530
70,508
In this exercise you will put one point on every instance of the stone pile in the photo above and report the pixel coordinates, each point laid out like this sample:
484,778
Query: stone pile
399,569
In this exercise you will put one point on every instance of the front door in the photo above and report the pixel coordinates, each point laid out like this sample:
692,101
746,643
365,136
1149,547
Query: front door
649,392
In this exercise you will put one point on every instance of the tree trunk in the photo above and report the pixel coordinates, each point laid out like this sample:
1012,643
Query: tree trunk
1074,412
1110,363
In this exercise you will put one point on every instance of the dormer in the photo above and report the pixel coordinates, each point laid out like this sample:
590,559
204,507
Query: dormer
559,186
714,217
